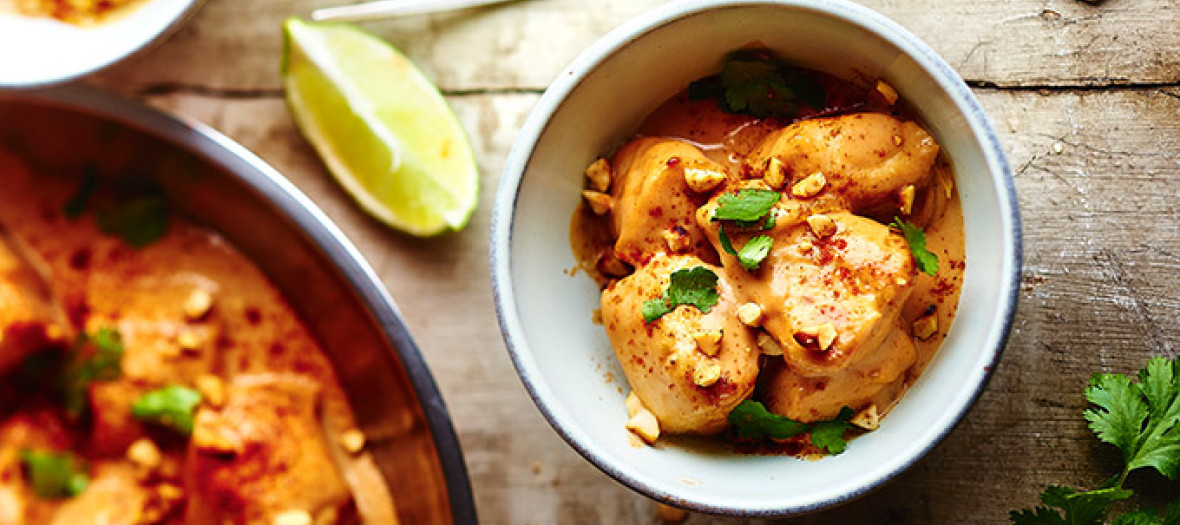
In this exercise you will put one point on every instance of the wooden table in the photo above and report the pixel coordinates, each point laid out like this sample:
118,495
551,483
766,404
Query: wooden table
1086,97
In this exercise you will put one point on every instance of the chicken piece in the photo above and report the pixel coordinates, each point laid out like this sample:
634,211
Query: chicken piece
651,197
263,453
855,279
661,357
113,497
866,158
31,318
878,379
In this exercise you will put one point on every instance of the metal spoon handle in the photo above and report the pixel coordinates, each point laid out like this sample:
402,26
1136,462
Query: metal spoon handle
394,8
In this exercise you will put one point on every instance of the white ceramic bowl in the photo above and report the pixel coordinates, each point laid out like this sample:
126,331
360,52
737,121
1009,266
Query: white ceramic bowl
545,313
42,51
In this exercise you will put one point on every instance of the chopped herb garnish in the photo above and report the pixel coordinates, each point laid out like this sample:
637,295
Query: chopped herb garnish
102,363
752,254
753,422
696,286
914,236
139,221
747,205
171,407
76,205
54,474
754,82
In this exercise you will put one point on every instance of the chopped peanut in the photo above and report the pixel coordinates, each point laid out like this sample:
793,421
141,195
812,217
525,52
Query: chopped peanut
169,492
768,344
868,419
775,173
709,341
599,175
926,326
706,373
906,196
212,390
810,186
750,314
144,454
634,404
701,180
887,91
599,202
198,304
822,225
897,140
819,337
188,341
677,240
645,425
353,441
805,245
293,517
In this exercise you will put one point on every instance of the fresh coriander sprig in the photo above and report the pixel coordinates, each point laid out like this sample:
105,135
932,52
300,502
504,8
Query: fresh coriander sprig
102,363
753,422
754,82
171,407
1141,419
747,208
54,474
914,236
696,286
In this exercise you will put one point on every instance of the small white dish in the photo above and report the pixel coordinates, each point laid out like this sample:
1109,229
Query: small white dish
41,51
565,360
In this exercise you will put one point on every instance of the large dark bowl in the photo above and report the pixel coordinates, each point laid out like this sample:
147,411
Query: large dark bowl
216,182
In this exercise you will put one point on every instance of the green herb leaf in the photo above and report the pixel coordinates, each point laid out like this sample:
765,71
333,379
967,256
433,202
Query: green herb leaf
95,358
927,262
752,254
1075,508
140,221
1139,517
1142,420
171,407
754,422
53,474
829,435
746,205
696,286
754,82
76,205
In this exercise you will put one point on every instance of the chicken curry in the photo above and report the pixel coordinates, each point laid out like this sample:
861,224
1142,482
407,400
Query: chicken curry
150,374
780,254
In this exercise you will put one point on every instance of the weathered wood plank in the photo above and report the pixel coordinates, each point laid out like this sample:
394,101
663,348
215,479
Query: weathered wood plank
236,45
1102,241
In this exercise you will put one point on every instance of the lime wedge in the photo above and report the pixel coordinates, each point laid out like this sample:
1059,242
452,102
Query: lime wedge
380,126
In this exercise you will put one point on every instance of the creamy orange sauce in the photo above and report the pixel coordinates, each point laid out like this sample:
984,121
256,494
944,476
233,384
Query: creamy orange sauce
861,279
78,12
268,439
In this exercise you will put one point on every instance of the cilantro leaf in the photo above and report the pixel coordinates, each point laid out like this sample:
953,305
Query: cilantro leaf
54,474
1139,517
1067,506
754,422
754,82
171,407
696,286
752,254
746,205
96,358
1143,419
140,221
829,435
914,236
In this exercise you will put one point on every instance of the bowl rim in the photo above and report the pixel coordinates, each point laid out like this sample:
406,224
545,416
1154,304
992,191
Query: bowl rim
211,146
605,48
165,31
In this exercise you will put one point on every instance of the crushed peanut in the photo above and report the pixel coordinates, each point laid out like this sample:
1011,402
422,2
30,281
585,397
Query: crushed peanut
198,304
709,341
169,492
750,314
599,175
144,454
677,240
887,91
293,517
701,180
599,202
775,173
645,425
634,404
906,198
212,390
822,225
897,141
926,326
769,345
353,441
805,245
706,373
820,336
810,186
188,341
868,418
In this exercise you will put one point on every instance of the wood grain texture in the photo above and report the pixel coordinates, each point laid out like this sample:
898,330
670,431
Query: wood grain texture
1086,101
